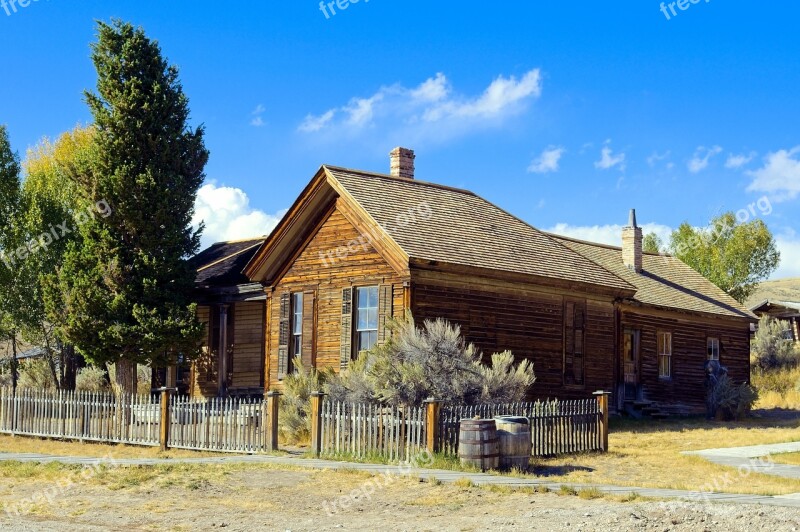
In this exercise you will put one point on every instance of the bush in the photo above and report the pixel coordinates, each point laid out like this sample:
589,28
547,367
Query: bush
92,379
294,418
733,401
430,362
773,347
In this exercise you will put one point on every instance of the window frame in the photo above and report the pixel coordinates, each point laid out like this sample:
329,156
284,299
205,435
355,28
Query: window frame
296,302
709,351
663,354
357,331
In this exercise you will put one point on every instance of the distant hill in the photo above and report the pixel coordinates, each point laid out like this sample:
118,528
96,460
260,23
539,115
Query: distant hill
780,290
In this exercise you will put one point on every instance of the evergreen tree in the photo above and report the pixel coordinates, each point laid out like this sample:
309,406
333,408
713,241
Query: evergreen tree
125,288
9,243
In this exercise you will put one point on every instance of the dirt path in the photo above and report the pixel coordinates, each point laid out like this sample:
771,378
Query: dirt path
258,499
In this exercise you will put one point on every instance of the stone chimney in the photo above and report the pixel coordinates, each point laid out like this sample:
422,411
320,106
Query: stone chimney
402,162
632,244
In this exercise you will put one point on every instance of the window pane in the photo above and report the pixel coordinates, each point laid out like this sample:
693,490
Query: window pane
363,320
373,297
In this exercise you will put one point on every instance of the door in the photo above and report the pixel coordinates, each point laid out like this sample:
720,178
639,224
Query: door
630,364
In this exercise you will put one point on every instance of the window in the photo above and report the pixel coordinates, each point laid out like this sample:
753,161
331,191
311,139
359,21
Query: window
665,355
366,318
297,325
713,348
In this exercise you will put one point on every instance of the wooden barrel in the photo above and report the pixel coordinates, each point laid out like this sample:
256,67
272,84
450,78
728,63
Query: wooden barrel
478,445
514,435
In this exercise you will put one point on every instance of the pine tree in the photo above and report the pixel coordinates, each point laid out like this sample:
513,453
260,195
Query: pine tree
126,286
9,213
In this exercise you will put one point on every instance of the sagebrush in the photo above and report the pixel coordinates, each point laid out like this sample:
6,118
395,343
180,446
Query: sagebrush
432,361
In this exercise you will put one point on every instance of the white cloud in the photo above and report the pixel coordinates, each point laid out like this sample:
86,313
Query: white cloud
433,90
608,160
315,123
606,234
657,157
788,244
431,109
780,175
547,161
258,120
735,162
702,157
228,215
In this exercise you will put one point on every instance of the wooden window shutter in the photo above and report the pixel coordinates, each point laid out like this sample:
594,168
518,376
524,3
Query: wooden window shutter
578,348
283,336
346,344
309,322
385,303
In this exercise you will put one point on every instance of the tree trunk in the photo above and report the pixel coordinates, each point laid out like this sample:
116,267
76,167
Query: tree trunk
126,377
14,363
70,368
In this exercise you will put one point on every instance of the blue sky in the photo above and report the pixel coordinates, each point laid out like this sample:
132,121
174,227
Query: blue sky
566,115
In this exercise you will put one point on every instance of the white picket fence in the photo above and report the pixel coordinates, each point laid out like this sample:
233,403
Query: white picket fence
228,425
369,430
130,419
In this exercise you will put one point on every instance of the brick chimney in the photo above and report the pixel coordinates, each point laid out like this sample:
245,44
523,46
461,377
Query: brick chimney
402,162
632,244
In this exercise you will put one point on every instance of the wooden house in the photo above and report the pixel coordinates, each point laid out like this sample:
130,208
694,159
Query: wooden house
233,309
358,247
788,311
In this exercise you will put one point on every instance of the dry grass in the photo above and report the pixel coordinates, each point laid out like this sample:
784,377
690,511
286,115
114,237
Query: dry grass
648,454
777,388
25,444
786,458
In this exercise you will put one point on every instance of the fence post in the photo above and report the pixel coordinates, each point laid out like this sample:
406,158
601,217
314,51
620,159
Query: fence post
165,418
271,427
602,400
433,409
316,423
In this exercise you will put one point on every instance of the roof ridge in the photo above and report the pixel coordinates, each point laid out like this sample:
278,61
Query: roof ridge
401,179
223,259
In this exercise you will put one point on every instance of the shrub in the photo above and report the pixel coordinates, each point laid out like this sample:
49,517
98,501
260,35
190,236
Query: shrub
92,379
294,418
432,361
503,383
733,401
772,347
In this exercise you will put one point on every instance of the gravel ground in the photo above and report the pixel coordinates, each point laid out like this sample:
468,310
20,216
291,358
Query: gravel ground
258,499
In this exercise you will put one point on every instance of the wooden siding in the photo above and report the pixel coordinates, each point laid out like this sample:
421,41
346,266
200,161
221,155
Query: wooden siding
685,390
319,269
525,319
248,345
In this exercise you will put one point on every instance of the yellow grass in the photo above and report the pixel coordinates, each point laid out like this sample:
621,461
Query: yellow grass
25,444
777,388
648,454
786,458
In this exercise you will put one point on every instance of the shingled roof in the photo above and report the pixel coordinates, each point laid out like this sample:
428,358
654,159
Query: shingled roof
665,281
222,264
466,230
